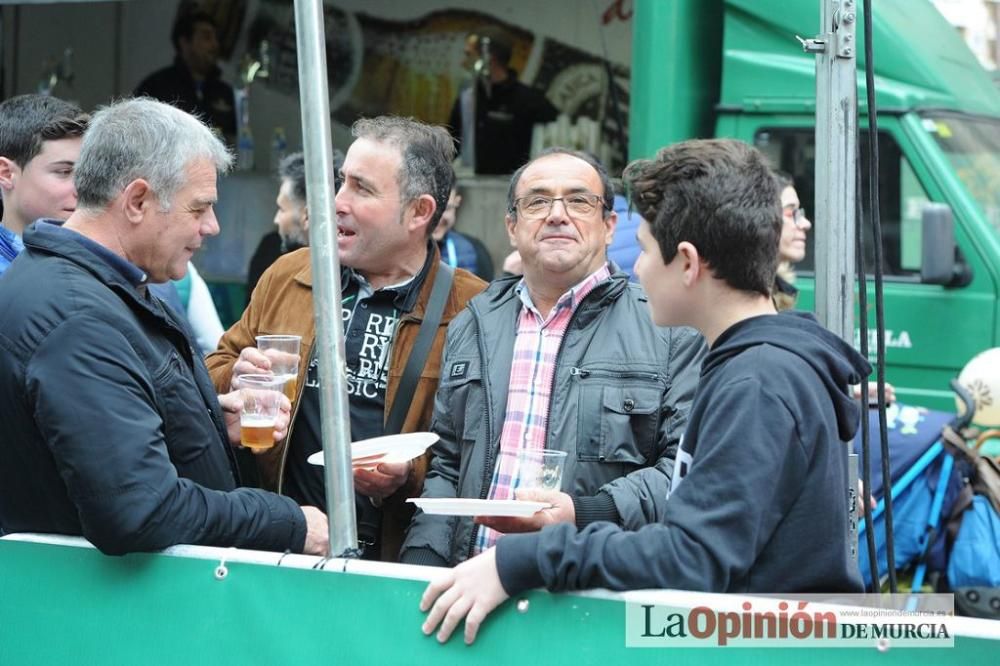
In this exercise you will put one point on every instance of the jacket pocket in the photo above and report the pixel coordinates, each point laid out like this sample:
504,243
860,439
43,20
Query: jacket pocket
461,385
187,429
460,398
619,421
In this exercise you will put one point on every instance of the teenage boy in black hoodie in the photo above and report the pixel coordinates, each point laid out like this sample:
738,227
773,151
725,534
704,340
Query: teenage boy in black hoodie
759,495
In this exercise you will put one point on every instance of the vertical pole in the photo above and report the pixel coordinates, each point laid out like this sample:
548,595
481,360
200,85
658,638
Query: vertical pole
836,154
836,188
317,144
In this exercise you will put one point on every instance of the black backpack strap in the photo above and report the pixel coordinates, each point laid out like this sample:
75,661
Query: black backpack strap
421,348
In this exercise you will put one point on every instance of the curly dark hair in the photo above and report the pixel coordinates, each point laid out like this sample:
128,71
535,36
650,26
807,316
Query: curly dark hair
720,196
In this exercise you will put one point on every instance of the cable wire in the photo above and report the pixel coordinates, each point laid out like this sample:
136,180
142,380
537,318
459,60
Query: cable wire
873,209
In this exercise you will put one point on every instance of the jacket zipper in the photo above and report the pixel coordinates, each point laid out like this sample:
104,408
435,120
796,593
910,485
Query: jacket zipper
555,369
583,374
488,470
487,411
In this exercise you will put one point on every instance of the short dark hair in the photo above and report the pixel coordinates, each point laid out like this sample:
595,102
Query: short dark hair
293,169
28,121
501,45
186,23
609,189
427,152
784,180
720,196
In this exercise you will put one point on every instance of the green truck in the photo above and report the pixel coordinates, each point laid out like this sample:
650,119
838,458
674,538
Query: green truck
939,141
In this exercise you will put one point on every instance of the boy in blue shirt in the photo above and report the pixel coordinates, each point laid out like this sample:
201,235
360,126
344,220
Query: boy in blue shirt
39,142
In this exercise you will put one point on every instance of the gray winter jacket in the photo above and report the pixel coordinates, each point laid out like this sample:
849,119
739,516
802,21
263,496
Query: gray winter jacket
621,394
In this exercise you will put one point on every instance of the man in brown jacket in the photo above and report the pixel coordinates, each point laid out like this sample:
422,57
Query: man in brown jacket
397,178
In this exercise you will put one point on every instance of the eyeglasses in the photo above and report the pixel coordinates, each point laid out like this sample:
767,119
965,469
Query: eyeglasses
535,206
796,215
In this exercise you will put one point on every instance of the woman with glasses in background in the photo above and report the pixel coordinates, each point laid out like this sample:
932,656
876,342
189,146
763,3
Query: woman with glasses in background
792,246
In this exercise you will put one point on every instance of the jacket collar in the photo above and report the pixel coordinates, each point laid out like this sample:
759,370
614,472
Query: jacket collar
421,289
52,236
502,290
50,239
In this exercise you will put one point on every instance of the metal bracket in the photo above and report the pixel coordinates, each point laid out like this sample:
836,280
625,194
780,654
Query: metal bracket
842,35
816,45
843,23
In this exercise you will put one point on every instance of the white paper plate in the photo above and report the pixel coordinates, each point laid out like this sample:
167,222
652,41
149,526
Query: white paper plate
387,449
448,506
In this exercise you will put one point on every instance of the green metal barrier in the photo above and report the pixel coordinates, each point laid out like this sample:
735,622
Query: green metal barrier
71,604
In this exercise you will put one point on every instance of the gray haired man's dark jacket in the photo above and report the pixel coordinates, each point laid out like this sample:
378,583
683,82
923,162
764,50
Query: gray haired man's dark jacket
620,397
111,428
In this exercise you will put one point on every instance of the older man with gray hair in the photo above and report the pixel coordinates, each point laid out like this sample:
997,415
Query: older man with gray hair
112,429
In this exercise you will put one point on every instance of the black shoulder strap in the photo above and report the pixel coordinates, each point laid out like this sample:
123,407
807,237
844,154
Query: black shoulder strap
421,348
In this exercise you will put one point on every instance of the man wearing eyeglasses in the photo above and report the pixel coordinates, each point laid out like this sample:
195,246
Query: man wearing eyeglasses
564,358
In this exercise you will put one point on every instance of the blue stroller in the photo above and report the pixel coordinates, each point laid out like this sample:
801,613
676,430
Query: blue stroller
925,486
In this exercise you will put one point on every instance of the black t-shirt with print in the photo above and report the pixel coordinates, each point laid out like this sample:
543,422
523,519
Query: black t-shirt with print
370,320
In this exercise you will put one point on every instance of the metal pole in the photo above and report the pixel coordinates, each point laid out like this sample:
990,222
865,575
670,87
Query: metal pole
317,144
836,153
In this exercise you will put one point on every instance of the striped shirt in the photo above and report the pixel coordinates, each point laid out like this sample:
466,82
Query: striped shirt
530,387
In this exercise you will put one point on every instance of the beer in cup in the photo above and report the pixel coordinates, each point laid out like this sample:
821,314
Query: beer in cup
261,396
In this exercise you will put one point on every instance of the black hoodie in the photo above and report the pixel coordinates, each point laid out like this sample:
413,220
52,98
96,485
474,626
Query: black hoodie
759,501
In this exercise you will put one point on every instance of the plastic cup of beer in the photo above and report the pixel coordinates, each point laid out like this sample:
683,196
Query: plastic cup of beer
261,396
540,468
283,352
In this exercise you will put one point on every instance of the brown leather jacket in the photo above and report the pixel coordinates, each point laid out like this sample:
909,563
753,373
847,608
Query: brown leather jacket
282,303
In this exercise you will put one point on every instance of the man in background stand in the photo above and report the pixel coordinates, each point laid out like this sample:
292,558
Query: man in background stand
493,117
460,250
193,82
291,217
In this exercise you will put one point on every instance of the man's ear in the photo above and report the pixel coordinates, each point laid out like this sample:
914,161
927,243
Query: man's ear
691,263
138,200
423,208
9,173
511,222
610,223
305,218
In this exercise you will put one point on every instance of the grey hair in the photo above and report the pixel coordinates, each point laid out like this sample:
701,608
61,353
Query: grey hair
142,138
427,152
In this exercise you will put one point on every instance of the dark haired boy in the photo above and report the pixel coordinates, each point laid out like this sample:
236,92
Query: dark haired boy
39,143
759,495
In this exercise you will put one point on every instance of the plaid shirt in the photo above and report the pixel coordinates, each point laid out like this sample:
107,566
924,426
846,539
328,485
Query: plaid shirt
530,388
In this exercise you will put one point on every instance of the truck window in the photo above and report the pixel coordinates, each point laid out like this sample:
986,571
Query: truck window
901,196
972,145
